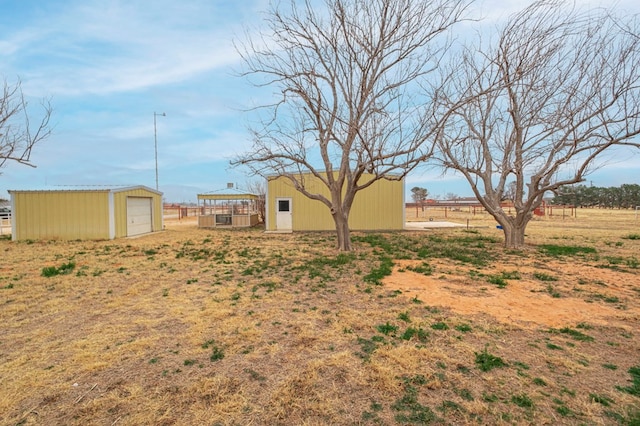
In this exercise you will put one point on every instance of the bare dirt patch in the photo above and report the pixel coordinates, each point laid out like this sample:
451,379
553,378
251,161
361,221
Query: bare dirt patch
526,301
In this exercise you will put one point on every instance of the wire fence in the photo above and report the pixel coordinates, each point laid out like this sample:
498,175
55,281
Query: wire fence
475,212
180,212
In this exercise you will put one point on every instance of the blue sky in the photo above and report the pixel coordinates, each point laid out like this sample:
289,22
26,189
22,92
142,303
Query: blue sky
109,65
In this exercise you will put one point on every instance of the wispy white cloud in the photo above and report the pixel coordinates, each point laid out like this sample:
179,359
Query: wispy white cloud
100,48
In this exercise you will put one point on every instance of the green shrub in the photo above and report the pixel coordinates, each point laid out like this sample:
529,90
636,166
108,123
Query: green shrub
487,361
463,328
541,276
497,280
522,401
419,333
424,269
376,275
634,389
216,352
440,326
600,399
387,328
575,334
52,271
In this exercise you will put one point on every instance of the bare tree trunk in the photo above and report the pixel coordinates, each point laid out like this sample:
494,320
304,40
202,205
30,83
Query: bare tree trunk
513,228
340,208
342,231
513,235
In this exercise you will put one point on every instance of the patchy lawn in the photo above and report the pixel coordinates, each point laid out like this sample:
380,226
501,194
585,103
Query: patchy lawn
442,326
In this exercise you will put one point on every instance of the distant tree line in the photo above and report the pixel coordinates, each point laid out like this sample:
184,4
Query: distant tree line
624,197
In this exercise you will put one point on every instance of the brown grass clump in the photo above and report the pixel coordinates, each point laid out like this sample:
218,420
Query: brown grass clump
443,326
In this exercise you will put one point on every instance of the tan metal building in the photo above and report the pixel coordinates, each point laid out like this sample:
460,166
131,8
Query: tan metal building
378,207
85,214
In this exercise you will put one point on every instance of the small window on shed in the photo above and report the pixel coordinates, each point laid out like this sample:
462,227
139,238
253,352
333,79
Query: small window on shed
283,205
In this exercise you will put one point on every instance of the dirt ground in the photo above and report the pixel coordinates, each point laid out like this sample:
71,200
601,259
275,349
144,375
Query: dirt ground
233,327
524,301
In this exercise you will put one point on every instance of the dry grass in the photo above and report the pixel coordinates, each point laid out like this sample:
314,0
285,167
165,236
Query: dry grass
239,327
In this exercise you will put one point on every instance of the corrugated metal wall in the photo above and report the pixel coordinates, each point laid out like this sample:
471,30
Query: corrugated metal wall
77,214
379,207
66,215
120,209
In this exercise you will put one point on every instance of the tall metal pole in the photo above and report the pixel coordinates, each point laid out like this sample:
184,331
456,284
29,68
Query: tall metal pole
155,142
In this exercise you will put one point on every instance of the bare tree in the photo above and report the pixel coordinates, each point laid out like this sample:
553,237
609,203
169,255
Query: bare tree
347,109
541,106
259,188
17,135
510,191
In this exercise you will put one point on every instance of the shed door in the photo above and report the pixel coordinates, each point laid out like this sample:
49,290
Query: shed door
139,216
283,214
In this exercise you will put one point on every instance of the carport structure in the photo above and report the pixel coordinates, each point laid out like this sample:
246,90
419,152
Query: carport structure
228,208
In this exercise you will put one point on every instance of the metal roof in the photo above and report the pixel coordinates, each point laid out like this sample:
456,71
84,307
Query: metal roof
227,194
87,188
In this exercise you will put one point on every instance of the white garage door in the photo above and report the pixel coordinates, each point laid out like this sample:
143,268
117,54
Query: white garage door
138,216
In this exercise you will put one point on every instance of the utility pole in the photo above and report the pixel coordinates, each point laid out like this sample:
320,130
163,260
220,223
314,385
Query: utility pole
155,142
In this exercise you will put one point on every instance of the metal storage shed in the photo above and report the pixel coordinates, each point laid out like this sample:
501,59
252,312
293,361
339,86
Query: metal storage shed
377,207
85,214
